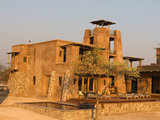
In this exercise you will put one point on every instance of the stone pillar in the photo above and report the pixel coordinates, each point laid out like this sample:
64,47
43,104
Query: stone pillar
87,35
100,85
119,78
67,89
120,83
101,37
149,87
101,40
52,90
142,85
88,84
129,86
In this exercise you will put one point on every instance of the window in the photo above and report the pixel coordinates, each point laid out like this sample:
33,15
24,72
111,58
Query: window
25,59
91,40
91,84
60,53
104,82
111,47
60,80
80,84
64,55
74,81
34,80
112,81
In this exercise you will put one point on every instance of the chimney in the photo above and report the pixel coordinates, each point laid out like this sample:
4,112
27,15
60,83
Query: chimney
158,55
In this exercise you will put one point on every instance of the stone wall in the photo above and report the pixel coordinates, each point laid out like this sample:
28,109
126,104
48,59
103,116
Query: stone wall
144,85
59,114
102,110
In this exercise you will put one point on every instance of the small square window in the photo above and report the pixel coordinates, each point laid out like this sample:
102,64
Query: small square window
34,80
60,80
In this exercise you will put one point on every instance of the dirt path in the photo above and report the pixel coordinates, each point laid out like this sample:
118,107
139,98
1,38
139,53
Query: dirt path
10,113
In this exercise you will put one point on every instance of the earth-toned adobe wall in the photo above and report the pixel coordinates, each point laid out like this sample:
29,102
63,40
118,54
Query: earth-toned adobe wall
103,110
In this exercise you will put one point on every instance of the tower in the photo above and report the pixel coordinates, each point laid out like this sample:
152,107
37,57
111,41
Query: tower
110,40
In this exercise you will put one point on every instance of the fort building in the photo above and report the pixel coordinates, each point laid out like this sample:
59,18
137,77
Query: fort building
39,69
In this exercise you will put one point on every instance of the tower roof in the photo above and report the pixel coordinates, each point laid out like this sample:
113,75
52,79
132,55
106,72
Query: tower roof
103,22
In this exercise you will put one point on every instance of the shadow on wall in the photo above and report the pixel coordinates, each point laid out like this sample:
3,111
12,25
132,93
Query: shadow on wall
3,95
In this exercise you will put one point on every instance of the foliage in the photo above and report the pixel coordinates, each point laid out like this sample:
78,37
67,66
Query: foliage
91,63
132,74
4,73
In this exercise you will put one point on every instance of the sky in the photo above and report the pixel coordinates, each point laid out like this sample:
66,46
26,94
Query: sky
42,20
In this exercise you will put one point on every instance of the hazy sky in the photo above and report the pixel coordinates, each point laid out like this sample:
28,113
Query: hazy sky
41,20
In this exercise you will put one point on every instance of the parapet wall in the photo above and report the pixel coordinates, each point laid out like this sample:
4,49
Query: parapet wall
88,114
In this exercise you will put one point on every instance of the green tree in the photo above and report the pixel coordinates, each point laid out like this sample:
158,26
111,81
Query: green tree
92,63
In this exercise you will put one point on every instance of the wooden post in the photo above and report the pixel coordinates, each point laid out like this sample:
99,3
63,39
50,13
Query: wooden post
97,100
131,64
140,63
88,84
93,85
83,84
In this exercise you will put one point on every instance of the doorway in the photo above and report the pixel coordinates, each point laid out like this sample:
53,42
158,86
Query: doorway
134,86
156,85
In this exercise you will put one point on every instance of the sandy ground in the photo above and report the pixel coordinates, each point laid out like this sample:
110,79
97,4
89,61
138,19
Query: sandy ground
10,113
134,116
12,100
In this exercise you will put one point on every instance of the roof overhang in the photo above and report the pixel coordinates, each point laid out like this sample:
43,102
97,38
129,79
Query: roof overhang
133,58
103,22
13,53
